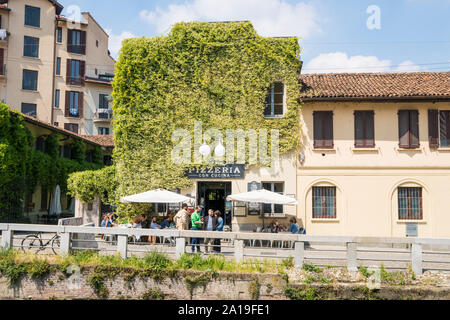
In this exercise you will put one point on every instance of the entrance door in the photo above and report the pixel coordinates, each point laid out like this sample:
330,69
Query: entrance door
215,199
213,195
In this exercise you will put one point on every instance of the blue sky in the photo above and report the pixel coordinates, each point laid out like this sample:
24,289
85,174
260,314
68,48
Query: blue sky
413,35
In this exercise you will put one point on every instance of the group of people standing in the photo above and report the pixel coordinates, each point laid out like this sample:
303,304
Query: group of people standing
197,221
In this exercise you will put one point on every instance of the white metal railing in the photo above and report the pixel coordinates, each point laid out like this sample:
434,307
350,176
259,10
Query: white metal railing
351,246
103,115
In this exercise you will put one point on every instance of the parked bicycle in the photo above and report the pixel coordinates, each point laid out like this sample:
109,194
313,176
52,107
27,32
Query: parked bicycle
35,242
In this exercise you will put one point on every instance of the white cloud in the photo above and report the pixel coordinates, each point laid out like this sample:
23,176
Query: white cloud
269,17
115,41
340,62
408,66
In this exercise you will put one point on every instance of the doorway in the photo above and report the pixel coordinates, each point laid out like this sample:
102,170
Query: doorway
213,195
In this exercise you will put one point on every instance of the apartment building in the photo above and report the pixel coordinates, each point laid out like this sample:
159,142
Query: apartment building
55,69
376,154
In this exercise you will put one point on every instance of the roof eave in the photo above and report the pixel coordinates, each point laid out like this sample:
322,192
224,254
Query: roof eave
355,99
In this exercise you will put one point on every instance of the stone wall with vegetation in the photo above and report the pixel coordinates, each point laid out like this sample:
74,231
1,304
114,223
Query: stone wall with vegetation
90,276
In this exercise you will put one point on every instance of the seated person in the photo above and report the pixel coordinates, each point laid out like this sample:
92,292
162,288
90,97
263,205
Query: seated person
294,226
106,222
274,226
136,223
154,225
167,222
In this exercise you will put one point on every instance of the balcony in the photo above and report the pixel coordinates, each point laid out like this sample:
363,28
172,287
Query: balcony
75,81
4,34
105,78
103,115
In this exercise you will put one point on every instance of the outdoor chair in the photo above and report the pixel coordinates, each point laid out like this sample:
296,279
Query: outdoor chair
258,230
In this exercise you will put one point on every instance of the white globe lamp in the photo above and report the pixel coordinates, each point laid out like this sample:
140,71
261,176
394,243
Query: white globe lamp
219,150
205,150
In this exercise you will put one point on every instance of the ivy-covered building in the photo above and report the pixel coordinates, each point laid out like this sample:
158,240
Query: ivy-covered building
195,85
35,157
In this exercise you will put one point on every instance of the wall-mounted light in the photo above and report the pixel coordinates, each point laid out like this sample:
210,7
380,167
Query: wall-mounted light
219,150
205,149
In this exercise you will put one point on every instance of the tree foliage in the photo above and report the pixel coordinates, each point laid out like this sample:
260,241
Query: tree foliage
216,73
23,169
87,185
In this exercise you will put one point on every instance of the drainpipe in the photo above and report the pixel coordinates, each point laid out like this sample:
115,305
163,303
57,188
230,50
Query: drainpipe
54,72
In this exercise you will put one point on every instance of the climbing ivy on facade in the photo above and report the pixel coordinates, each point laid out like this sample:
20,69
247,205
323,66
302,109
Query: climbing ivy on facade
216,73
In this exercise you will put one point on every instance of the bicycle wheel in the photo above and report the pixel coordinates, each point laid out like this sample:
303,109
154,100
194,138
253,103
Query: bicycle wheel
56,244
31,243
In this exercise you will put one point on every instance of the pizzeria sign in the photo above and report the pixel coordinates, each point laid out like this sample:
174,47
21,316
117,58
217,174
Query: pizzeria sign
233,171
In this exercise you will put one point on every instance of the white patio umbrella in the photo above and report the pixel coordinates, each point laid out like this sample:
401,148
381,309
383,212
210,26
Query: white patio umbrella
156,196
55,207
263,196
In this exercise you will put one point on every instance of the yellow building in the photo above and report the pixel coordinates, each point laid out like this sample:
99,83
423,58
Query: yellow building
53,68
38,204
376,155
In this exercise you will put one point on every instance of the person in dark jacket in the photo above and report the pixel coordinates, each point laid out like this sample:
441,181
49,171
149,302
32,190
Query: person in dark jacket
209,224
144,225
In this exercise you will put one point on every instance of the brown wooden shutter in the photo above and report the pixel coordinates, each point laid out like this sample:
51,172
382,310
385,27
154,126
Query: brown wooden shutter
328,129
403,128
67,106
433,128
414,141
359,129
80,104
364,129
82,72
69,40
323,129
317,130
83,42
68,71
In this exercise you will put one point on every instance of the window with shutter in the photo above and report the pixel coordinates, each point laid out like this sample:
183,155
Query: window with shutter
323,129
75,72
76,41
364,129
408,123
444,128
433,128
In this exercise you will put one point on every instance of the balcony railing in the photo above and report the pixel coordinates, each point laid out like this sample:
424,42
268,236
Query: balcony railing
75,81
2,69
4,34
103,115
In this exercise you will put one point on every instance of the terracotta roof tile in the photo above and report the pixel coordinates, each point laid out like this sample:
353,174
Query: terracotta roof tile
421,85
103,140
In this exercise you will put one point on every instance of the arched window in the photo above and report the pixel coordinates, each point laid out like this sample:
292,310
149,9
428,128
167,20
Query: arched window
410,203
324,202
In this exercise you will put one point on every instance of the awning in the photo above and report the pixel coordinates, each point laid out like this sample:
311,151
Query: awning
263,196
156,196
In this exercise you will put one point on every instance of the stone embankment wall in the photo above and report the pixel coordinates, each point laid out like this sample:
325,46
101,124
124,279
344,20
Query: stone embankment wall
119,283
